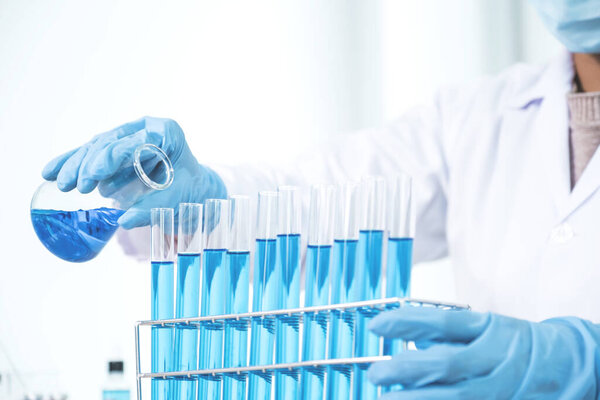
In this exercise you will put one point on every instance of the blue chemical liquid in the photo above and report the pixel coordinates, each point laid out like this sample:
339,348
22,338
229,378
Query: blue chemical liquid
318,262
162,307
370,249
214,285
344,289
266,297
75,236
115,395
236,332
399,263
287,341
186,305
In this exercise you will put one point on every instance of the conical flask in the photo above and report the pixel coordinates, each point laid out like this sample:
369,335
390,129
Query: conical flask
76,226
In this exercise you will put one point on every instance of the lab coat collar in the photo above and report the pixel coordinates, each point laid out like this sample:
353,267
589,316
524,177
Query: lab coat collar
551,128
552,134
558,73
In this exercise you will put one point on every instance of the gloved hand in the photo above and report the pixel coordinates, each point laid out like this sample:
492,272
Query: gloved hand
97,162
470,355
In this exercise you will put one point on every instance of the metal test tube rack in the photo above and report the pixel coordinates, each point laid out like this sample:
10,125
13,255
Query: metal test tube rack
370,307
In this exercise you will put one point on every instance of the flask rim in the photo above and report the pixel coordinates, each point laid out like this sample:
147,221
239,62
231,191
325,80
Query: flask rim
139,170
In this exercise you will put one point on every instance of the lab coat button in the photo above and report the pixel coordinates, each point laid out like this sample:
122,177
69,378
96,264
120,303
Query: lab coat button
561,234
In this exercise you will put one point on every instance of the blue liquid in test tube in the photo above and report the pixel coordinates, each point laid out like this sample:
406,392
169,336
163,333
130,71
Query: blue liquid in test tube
238,264
316,288
266,295
187,299
162,307
346,287
370,249
288,263
236,332
213,300
399,263
399,255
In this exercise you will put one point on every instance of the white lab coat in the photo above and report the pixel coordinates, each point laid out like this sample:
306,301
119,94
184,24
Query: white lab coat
491,167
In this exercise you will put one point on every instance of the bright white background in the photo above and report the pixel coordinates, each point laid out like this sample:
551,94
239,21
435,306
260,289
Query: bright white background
246,80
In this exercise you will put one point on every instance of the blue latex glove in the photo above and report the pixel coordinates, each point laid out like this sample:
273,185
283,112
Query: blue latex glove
98,162
471,355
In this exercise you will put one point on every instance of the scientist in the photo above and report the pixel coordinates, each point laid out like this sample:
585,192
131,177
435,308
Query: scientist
507,173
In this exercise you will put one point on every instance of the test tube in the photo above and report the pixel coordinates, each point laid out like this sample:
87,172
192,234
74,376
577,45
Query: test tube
316,288
345,288
288,262
187,299
370,249
399,253
163,274
238,264
400,241
213,300
266,294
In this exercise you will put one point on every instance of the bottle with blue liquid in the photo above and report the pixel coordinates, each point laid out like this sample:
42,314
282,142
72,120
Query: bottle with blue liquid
287,348
345,288
214,286
399,253
75,226
187,296
235,348
266,295
318,265
370,268
162,297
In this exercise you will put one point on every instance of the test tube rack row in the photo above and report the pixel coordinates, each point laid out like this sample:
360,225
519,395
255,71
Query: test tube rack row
362,309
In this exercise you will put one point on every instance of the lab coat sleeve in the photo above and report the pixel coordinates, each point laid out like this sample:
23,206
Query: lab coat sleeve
414,144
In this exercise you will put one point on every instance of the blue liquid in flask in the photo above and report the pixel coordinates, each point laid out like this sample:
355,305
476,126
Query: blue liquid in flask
265,297
213,301
287,341
399,263
186,305
345,288
370,249
236,332
75,236
318,261
162,286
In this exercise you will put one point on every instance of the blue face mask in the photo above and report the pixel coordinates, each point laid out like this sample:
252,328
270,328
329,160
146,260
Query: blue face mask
576,23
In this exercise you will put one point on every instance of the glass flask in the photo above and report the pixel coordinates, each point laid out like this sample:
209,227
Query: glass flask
76,226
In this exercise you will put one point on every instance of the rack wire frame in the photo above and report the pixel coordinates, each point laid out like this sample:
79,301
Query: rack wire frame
368,306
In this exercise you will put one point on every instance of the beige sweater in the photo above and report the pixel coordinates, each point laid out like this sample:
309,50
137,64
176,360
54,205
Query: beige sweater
584,122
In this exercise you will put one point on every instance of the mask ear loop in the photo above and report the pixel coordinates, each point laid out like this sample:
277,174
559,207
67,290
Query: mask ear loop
139,170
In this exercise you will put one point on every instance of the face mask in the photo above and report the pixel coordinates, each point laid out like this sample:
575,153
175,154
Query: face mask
575,23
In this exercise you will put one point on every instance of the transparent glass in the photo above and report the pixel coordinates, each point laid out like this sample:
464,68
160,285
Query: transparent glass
162,296
372,193
347,212
321,214
402,221
76,226
239,218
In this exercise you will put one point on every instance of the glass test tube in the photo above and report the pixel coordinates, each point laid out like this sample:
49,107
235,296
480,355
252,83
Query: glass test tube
266,294
399,253
345,288
187,298
163,272
288,263
238,264
370,249
214,285
316,288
